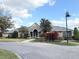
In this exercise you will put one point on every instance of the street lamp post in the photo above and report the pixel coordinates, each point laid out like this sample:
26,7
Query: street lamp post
67,15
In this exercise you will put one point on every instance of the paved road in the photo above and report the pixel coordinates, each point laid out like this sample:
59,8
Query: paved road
42,50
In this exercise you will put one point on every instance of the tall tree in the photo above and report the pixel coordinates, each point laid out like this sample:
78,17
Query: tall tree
5,23
45,25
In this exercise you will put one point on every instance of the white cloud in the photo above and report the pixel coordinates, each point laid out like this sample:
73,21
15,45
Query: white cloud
71,23
21,8
17,22
52,2
21,13
29,24
28,4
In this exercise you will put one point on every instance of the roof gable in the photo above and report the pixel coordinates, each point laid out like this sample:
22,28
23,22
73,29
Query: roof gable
34,26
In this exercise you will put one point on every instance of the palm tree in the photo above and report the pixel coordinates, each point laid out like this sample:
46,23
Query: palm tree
45,25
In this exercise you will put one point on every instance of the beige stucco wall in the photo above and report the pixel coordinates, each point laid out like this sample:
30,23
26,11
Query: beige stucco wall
60,34
5,35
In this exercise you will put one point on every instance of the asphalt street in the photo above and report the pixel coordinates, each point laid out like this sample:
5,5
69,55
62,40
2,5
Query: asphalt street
41,50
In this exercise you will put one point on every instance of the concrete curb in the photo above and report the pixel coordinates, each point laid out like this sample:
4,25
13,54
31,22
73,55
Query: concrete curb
17,55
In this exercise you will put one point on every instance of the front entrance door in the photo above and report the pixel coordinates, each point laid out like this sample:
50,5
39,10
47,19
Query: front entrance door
35,33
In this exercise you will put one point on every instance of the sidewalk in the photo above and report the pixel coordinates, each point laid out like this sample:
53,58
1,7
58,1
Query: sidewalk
26,41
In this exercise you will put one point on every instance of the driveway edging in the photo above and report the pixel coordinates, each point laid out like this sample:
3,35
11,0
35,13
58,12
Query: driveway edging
17,54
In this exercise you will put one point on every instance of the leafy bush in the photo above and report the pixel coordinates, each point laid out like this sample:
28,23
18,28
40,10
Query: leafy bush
15,34
26,35
42,34
76,34
51,36
76,37
0,34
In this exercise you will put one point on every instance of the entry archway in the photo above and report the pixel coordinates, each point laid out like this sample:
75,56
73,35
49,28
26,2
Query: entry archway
35,33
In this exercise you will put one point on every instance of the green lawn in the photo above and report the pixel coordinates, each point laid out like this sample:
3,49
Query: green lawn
63,42
11,40
4,54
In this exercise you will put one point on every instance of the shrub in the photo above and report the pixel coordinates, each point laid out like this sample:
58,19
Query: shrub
51,36
15,34
0,34
25,35
76,34
76,37
41,34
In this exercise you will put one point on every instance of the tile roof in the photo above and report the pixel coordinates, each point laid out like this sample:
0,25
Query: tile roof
58,28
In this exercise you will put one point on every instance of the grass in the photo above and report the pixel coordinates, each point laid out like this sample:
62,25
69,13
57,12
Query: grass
11,40
63,42
4,54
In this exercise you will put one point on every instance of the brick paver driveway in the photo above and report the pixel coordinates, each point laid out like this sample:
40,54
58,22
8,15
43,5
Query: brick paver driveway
42,50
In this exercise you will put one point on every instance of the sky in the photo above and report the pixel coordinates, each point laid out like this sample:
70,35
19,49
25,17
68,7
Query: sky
27,12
